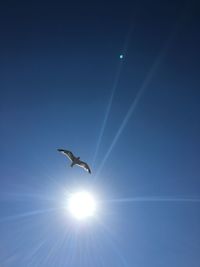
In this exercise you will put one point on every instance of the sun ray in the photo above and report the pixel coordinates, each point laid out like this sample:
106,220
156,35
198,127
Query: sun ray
113,90
133,105
27,214
154,199
113,244
142,89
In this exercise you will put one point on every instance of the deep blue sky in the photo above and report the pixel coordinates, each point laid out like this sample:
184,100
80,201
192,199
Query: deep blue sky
136,121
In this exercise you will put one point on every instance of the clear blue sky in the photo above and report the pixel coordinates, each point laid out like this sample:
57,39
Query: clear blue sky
135,120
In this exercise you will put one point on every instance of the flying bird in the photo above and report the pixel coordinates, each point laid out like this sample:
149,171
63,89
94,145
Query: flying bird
75,160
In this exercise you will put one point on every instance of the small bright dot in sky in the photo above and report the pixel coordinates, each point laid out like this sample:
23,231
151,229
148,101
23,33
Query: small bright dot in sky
121,56
81,205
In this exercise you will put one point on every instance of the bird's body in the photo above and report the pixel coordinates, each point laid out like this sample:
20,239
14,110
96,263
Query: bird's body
75,160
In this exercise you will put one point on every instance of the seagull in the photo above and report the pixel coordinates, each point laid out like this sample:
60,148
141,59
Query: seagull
75,160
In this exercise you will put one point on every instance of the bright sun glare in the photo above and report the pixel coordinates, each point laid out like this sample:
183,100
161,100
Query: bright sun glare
81,205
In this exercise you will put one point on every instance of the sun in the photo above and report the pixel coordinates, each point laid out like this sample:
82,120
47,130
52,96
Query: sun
81,205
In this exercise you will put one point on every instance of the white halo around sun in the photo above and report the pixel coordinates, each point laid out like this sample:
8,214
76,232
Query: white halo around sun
81,205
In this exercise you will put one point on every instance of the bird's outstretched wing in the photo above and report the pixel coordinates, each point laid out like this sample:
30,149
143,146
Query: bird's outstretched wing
84,165
67,153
